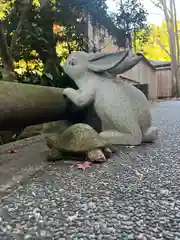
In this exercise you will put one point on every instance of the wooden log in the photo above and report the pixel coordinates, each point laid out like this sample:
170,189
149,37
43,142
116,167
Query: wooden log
24,104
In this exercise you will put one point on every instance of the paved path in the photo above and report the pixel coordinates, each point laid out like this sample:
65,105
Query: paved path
135,195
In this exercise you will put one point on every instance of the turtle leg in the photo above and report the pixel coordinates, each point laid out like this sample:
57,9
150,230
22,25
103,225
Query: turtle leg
107,152
96,155
50,143
54,154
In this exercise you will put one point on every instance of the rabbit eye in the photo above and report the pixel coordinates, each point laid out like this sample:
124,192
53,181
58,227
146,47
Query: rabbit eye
73,62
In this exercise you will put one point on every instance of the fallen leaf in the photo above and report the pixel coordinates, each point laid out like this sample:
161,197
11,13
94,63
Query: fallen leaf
12,151
83,166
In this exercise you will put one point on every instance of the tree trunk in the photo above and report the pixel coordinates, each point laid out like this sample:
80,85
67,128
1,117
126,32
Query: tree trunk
171,44
134,40
174,16
22,105
171,22
26,7
7,61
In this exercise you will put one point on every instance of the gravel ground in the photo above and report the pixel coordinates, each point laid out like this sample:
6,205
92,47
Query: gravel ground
135,195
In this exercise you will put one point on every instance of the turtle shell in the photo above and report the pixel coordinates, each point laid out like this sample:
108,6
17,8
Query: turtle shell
79,138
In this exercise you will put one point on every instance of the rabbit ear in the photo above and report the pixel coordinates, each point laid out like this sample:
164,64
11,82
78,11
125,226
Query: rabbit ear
126,65
114,63
101,62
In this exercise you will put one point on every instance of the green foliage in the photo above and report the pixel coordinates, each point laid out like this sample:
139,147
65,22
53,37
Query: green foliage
40,49
132,17
157,45
79,10
5,6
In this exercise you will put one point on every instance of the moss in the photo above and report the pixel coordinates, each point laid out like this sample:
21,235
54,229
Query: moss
54,155
26,95
45,128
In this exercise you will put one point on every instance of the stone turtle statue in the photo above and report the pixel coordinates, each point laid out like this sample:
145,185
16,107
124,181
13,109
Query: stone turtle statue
123,109
79,140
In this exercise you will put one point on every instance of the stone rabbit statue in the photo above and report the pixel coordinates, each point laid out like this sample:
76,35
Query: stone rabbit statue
123,109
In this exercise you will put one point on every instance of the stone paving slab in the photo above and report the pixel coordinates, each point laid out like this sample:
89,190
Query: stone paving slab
19,160
135,195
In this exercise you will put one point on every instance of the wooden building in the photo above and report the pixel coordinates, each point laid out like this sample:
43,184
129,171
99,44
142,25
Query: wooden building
164,78
144,73
156,75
